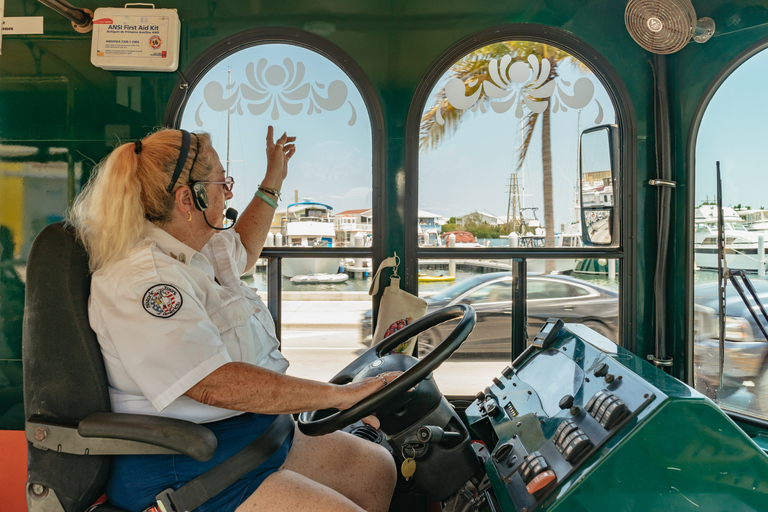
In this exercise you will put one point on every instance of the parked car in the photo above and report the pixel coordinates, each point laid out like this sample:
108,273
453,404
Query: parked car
745,359
565,297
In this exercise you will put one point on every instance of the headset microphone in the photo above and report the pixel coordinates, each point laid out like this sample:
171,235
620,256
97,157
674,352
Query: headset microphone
230,214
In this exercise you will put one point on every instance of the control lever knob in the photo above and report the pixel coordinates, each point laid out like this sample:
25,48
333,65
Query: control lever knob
433,434
480,397
503,451
566,402
491,407
601,370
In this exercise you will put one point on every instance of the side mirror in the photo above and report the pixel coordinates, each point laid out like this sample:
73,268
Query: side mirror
598,154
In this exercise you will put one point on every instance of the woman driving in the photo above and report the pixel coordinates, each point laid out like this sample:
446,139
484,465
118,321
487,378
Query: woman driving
183,337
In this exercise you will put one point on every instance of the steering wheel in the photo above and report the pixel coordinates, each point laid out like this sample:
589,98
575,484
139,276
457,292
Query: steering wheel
317,427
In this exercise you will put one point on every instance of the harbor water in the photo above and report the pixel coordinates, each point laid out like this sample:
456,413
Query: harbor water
259,281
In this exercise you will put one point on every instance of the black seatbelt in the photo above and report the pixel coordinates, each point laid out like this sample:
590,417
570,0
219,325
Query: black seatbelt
199,490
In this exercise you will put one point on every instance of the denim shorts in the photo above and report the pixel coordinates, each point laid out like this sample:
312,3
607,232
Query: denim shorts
135,480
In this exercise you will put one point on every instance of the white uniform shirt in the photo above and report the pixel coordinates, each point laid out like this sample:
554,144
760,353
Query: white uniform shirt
167,316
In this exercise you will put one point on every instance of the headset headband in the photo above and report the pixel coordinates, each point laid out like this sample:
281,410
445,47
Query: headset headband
183,154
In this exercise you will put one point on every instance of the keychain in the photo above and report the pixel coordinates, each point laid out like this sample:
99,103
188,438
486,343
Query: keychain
408,467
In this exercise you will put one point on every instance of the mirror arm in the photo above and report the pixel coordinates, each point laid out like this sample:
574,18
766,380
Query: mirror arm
662,183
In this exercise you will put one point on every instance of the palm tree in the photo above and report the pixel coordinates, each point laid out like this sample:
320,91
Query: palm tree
474,70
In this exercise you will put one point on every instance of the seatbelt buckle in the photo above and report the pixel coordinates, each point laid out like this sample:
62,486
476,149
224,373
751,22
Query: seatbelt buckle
163,502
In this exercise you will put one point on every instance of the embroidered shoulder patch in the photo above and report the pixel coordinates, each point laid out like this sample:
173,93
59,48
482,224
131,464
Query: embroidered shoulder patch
162,301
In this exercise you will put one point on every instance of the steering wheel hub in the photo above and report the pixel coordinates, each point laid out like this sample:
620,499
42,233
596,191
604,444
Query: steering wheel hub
404,409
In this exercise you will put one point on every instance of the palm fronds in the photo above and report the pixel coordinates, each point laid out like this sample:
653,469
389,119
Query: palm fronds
473,70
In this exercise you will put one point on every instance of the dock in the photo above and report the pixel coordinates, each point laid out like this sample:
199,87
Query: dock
475,266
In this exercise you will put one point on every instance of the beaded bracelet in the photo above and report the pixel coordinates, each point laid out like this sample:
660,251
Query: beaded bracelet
264,197
272,191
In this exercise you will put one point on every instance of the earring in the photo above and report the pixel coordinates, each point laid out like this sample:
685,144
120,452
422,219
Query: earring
189,216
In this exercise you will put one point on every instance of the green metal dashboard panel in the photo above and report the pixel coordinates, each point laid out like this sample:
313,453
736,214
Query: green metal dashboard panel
653,443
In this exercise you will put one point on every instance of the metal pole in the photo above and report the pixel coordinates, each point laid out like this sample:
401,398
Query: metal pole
80,18
519,306
275,293
722,270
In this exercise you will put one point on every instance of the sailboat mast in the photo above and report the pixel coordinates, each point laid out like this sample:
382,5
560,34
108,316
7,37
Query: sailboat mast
517,214
576,215
509,198
229,121
513,202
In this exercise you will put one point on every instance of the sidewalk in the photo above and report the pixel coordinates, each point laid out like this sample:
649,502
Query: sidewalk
323,313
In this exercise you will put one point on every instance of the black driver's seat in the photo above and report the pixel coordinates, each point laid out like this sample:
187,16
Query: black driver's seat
70,429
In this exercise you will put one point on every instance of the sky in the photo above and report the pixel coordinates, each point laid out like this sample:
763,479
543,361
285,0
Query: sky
484,152
470,171
730,133
332,163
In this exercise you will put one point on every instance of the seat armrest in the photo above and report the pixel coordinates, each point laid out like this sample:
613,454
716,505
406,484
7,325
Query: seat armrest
109,433
179,435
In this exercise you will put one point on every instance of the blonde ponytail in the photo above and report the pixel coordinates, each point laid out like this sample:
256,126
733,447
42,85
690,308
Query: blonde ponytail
129,187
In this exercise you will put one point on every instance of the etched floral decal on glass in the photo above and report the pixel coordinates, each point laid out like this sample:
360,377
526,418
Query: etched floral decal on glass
519,84
281,88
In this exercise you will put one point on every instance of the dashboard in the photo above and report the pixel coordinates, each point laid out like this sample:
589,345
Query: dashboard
578,423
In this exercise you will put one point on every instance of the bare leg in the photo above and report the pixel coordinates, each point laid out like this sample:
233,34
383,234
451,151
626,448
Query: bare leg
361,470
335,472
286,491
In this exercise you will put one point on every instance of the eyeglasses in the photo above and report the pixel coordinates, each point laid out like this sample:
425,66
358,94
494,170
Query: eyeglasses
228,183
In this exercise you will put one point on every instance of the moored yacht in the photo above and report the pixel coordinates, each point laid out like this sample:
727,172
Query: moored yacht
309,224
742,246
755,220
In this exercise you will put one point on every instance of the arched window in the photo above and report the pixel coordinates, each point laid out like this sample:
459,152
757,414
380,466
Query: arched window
503,176
731,134
295,90
320,248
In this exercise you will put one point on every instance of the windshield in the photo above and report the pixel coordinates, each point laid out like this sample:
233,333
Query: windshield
735,226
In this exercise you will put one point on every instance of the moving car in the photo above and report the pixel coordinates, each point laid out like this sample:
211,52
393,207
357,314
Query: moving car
564,297
746,352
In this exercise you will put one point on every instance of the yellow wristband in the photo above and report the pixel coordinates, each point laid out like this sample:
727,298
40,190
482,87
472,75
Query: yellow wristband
264,197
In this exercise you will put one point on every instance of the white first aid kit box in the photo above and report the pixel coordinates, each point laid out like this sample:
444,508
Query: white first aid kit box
136,39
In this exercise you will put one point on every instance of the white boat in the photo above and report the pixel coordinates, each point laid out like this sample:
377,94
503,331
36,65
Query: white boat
358,267
705,222
309,224
320,278
754,220
742,247
741,253
537,241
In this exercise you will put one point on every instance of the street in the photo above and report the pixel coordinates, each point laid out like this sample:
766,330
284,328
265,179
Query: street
320,353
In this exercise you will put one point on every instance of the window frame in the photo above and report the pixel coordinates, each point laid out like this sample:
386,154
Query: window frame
690,228
230,45
625,119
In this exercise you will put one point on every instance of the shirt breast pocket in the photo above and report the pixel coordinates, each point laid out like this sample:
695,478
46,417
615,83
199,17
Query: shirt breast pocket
233,320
